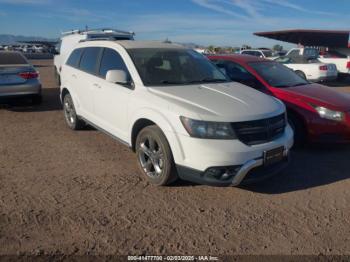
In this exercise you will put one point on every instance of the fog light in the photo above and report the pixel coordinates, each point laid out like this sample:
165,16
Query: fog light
222,173
214,172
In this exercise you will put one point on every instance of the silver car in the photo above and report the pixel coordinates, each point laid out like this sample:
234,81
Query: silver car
18,77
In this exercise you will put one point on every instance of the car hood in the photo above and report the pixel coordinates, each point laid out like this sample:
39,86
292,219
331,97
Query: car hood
325,95
219,102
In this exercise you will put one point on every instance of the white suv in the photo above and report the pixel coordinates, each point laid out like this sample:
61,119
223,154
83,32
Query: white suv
177,111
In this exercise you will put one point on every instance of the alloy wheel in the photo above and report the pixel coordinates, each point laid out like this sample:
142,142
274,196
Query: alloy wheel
151,156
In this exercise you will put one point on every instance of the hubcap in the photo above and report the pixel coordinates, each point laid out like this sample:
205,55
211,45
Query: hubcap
69,111
151,157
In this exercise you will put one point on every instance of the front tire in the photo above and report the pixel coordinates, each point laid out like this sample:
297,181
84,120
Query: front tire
70,114
154,156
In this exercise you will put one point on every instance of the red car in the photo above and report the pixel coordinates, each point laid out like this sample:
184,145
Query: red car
316,113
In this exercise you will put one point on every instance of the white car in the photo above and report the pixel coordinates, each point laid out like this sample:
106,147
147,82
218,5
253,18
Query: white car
177,111
341,61
262,53
71,38
312,70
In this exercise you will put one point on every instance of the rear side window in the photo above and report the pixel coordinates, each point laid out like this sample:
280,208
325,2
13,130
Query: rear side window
239,74
74,58
111,60
12,58
88,62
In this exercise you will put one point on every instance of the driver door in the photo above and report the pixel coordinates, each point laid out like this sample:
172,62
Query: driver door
110,99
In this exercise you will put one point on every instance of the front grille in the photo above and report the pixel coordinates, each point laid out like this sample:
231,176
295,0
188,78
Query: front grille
260,131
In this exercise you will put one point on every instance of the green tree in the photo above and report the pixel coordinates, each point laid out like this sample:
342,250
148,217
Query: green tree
277,48
211,48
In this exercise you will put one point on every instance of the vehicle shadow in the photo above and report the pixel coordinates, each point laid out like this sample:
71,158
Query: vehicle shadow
342,81
51,102
314,166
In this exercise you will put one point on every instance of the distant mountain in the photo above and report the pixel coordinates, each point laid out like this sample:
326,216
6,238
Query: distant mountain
13,39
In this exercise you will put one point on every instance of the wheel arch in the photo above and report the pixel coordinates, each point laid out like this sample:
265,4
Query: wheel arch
151,117
137,127
294,113
64,92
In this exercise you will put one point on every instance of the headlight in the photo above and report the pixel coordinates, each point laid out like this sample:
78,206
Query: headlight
207,129
329,114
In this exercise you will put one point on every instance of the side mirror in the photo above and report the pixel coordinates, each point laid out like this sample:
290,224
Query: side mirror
117,77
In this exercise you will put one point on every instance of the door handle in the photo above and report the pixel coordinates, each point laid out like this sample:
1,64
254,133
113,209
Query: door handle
97,85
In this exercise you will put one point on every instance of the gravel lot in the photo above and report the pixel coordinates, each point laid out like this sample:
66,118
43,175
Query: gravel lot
65,192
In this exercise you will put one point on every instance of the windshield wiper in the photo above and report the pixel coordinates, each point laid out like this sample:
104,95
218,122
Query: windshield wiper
286,86
208,80
299,84
171,82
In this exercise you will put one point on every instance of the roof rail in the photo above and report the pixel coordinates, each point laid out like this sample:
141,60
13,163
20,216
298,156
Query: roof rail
111,38
97,30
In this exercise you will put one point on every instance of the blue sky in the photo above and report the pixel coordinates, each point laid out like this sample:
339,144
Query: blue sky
217,22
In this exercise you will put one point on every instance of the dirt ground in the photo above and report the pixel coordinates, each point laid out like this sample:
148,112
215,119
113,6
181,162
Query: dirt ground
65,192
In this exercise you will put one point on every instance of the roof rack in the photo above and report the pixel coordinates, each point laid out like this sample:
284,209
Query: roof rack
97,31
110,38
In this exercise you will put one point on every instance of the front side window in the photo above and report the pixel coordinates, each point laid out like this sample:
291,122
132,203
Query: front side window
168,66
88,62
277,75
111,60
74,58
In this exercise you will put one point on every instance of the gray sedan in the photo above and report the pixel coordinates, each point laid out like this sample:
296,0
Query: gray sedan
18,77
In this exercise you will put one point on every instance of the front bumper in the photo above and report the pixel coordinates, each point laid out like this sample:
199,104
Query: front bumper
250,172
201,155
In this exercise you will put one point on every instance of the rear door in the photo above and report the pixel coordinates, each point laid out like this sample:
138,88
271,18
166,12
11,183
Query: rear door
70,72
85,79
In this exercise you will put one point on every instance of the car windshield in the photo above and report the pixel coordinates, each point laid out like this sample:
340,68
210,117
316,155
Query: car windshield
167,66
277,75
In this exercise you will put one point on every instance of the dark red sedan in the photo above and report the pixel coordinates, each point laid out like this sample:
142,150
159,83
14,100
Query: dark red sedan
316,113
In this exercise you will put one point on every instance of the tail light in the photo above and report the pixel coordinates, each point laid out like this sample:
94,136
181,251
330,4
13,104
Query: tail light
323,68
348,65
29,75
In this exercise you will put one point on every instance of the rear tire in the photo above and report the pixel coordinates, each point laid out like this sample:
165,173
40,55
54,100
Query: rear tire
299,130
301,74
70,114
154,156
